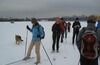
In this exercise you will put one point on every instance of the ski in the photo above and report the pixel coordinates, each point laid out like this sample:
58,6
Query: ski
73,46
18,61
54,56
62,55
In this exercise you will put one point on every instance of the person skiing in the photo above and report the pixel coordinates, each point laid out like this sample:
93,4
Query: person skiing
88,42
69,24
76,26
62,28
65,31
98,25
56,31
37,34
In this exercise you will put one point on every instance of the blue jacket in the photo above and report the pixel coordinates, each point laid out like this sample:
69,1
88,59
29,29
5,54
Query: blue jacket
98,25
37,33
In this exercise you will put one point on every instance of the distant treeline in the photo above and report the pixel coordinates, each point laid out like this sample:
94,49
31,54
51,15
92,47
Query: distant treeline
65,18
40,19
13,19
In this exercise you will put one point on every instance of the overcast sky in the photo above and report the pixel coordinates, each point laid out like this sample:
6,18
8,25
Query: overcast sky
48,8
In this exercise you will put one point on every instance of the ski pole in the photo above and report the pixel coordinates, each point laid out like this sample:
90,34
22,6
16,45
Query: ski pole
26,42
47,54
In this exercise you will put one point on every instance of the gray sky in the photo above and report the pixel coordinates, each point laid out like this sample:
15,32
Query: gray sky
48,8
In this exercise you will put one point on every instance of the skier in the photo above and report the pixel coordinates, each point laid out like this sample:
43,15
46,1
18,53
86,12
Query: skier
88,43
98,25
37,34
76,26
69,24
65,31
56,31
62,28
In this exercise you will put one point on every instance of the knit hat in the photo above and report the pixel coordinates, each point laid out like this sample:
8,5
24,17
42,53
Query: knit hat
92,19
33,20
98,17
62,18
77,18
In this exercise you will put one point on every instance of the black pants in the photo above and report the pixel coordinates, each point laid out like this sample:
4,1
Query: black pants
84,61
55,37
62,36
75,33
68,29
65,32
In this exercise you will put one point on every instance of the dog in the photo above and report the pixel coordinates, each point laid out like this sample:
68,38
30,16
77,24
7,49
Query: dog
18,39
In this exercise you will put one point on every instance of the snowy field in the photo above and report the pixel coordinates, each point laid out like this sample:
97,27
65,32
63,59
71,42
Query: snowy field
10,52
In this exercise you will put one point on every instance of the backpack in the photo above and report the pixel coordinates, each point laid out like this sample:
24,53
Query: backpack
42,30
89,45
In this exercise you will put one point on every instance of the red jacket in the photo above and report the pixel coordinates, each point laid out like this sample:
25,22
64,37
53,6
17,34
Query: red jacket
69,24
62,26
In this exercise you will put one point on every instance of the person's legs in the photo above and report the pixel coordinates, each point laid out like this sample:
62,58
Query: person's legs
94,62
65,33
83,61
54,41
68,29
73,37
62,36
30,48
77,35
37,50
58,38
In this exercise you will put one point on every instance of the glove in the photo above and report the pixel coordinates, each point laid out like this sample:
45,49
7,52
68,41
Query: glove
78,26
38,36
27,27
75,27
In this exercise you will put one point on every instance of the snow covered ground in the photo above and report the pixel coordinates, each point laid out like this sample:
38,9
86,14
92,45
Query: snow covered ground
10,52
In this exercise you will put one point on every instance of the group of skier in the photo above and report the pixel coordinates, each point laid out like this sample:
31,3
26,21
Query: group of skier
87,39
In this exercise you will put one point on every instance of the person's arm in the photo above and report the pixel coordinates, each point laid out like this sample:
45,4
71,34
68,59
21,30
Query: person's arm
29,28
98,37
79,38
41,29
53,27
79,25
73,25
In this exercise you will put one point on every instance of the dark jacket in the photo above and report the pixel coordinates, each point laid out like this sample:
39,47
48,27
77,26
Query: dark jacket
76,26
79,38
56,28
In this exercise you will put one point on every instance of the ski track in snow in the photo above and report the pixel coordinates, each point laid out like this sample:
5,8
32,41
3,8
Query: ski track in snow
10,52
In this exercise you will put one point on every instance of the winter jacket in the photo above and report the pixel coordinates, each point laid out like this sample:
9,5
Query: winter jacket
62,26
79,38
76,26
98,25
56,28
69,24
37,33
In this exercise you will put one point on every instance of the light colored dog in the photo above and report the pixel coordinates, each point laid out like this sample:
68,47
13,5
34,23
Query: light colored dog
18,39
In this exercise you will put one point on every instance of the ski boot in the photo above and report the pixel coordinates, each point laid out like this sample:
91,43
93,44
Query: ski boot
36,62
26,58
